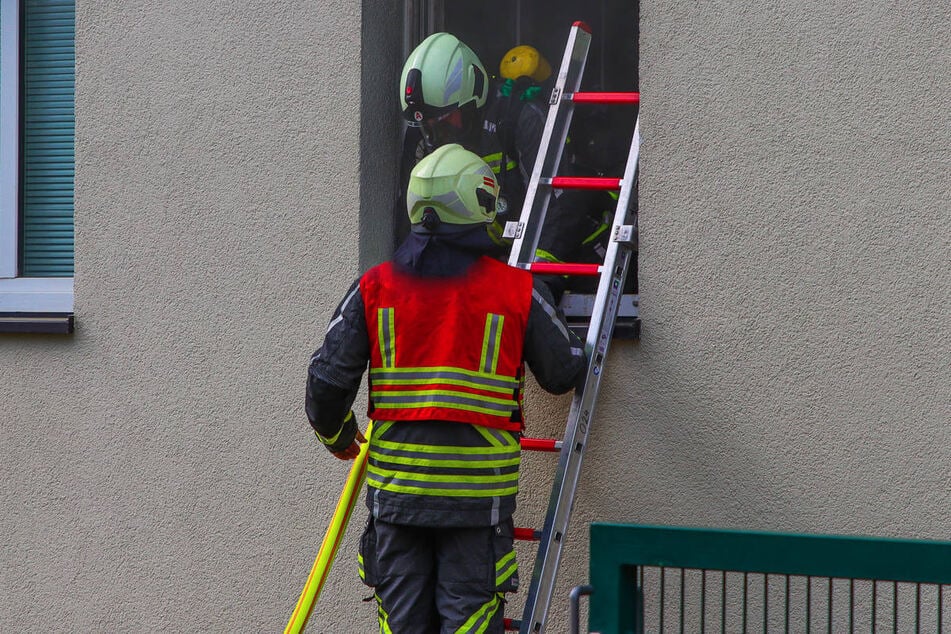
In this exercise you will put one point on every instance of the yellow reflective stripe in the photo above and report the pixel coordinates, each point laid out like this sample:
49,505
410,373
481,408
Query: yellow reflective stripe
505,568
435,403
425,393
479,622
383,617
439,449
445,478
360,566
386,335
491,339
380,428
594,236
495,162
455,493
490,435
444,374
332,439
445,464
544,256
459,382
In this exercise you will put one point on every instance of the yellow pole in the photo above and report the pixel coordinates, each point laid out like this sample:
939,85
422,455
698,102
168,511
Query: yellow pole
328,548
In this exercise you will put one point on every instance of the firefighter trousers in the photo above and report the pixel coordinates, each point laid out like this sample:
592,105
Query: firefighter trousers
431,580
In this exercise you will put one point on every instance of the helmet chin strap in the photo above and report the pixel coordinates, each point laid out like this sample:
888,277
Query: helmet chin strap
430,220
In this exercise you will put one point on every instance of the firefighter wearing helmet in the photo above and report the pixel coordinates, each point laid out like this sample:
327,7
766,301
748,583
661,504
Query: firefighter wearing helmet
446,96
445,331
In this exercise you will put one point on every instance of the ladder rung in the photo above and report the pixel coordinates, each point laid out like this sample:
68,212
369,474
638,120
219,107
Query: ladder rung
541,444
528,534
606,97
583,182
558,268
512,625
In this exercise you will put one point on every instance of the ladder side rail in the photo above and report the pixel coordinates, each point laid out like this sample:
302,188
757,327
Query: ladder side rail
607,302
548,157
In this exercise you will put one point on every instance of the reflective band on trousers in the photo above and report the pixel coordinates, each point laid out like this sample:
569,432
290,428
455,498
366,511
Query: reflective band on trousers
479,622
505,568
382,616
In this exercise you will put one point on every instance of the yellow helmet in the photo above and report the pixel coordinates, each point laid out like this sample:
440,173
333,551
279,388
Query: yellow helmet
524,61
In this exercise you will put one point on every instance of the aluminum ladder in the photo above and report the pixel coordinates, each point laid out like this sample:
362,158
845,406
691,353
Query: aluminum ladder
612,274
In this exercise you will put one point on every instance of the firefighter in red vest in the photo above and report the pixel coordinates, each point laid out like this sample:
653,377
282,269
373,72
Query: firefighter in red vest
446,332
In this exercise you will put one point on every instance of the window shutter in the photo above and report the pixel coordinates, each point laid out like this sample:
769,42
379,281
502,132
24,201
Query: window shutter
48,129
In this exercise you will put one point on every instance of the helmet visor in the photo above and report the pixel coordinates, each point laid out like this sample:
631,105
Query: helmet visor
445,128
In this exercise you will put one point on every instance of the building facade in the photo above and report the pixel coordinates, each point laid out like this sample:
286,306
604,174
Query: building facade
235,168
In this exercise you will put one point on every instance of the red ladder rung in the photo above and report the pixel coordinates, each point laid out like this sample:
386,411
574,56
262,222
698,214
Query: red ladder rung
606,97
541,444
584,182
558,268
528,534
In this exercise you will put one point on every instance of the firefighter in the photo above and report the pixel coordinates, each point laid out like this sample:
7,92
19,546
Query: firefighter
446,332
447,97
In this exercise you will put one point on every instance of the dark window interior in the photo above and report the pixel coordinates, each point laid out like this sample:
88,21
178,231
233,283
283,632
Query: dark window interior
492,27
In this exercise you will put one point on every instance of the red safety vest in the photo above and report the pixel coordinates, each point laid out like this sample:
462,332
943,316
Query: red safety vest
448,348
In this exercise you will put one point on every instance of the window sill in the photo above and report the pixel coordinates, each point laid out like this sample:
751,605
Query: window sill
36,323
36,305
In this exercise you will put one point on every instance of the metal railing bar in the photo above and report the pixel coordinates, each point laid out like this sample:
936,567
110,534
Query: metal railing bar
723,602
940,591
894,606
851,606
662,584
765,604
683,598
917,608
874,601
703,601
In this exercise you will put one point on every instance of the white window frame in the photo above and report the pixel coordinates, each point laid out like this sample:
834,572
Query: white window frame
18,294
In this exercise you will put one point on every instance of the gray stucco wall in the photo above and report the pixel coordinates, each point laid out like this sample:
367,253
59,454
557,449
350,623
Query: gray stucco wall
793,371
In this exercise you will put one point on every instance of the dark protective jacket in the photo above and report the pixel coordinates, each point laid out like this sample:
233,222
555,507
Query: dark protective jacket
430,473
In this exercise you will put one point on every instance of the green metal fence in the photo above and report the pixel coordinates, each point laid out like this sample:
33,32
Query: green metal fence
665,579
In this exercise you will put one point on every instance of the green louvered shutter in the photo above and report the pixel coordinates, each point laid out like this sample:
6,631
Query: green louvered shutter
48,124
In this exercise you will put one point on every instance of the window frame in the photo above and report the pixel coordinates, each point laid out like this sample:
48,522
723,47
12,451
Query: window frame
18,294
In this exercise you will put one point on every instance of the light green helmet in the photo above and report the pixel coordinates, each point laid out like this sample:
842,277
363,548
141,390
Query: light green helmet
449,190
440,75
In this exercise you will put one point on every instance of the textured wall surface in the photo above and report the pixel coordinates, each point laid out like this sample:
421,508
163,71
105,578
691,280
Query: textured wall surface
795,198
794,367
158,470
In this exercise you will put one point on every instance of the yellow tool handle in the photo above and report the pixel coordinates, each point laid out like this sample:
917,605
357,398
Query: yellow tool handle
328,548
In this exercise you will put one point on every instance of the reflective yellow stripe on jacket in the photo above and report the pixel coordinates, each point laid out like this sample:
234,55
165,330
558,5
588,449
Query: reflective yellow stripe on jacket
487,470
411,388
